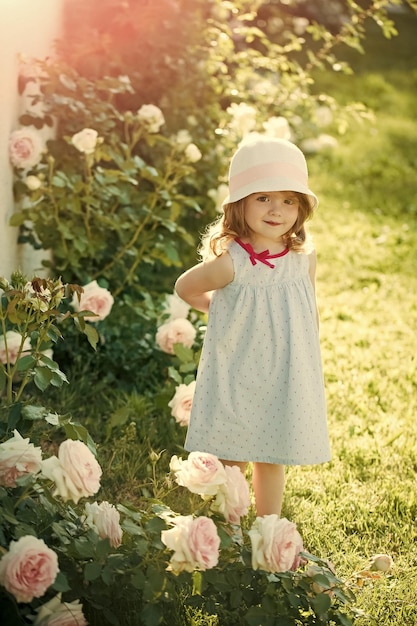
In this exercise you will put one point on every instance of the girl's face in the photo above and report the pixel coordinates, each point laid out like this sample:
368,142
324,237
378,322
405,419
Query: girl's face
271,214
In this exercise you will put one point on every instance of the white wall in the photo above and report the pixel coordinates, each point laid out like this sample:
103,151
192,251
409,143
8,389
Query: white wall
27,27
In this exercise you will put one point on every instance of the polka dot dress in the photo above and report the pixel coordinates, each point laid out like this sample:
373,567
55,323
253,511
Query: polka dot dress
260,393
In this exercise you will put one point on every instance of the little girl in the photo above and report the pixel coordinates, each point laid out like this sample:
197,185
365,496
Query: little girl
260,394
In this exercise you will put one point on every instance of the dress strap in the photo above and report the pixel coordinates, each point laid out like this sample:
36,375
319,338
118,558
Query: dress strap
260,256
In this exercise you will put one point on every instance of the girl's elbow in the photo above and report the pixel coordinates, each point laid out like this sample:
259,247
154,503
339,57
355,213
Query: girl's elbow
180,289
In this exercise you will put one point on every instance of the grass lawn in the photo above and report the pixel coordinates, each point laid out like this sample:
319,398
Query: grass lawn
364,501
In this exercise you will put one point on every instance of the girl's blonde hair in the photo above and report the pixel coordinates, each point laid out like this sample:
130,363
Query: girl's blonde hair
232,224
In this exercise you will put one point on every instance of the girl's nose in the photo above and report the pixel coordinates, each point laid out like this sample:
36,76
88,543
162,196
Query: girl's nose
276,207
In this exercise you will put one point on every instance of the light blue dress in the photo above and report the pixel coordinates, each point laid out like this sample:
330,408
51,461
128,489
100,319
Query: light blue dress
260,393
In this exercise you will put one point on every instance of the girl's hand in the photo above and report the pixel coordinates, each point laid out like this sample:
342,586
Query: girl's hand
196,285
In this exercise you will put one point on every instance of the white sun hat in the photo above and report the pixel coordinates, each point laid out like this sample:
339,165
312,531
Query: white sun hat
266,164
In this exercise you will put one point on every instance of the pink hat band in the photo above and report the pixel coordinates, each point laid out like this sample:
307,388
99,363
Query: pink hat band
268,165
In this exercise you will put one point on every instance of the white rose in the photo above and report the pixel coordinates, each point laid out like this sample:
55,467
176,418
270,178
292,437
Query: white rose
182,402
176,307
243,118
13,342
85,141
18,457
183,138
278,128
175,331
300,24
192,153
316,144
323,115
96,299
201,473
105,519
57,613
151,117
32,182
218,196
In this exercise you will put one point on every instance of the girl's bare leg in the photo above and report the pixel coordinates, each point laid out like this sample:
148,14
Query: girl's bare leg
268,485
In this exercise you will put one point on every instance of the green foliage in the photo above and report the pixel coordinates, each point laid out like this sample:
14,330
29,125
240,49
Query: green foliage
30,312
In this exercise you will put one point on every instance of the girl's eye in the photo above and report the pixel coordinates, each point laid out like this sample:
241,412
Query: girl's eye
262,198
289,200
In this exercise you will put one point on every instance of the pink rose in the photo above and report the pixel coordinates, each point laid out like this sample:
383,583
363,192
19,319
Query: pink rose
201,473
105,518
195,543
276,544
57,613
179,330
25,148
96,299
233,497
75,472
18,457
13,342
182,402
28,568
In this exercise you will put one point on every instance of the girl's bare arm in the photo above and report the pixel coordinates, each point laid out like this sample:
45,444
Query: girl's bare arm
196,285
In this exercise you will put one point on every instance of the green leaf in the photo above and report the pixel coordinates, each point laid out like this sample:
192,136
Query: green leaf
42,377
77,431
151,614
173,373
33,413
321,604
92,571
257,616
184,354
92,335
83,548
344,620
25,363
61,583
